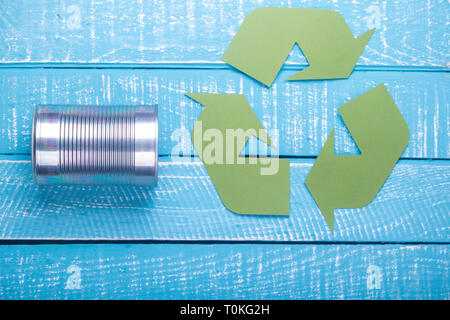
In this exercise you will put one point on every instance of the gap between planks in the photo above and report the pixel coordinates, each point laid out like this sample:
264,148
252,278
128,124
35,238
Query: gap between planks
165,159
212,242
199,65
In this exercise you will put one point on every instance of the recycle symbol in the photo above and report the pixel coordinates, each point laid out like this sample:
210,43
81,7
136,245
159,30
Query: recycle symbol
259,49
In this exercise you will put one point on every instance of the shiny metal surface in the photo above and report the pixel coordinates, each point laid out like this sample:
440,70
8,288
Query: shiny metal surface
95,145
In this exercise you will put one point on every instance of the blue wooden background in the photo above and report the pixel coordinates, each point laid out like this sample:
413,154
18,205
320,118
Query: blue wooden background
178,240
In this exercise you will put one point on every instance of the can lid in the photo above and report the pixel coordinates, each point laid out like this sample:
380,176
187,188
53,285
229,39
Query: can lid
33,145
45,143
146,144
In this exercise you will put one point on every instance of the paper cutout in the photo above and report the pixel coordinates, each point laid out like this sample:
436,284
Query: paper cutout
352,181
243,188
267,35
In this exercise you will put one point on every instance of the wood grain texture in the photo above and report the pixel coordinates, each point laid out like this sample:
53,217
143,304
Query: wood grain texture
409,33
146,52
303,112
413,205
167,271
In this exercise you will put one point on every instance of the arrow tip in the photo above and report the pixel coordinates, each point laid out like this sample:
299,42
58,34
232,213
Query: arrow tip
362,41
194,96
338,68
355,51
324,205
328,214
314,183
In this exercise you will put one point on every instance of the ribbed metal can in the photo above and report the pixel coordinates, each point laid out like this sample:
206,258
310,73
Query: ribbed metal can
95,145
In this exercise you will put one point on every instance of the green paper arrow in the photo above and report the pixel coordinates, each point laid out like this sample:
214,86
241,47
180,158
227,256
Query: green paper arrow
244,188
267,35
352,181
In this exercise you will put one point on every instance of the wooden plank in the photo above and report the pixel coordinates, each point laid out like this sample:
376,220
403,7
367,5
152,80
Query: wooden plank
304,113
224,271
413,205
409,33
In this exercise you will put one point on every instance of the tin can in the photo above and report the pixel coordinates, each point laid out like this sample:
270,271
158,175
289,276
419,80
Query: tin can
96,145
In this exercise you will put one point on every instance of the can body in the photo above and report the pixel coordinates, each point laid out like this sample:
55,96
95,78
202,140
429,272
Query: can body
95,145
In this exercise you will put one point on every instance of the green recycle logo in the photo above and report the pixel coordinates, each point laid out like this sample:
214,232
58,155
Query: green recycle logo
249,185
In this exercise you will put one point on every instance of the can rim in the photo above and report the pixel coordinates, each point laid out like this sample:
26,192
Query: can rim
33,143
156,145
